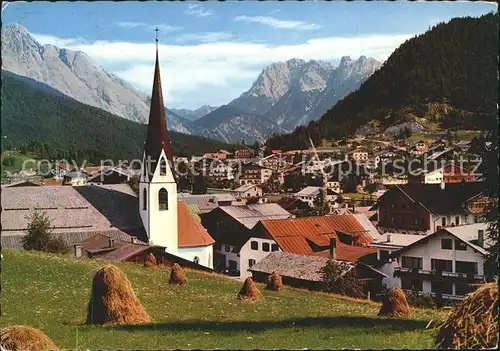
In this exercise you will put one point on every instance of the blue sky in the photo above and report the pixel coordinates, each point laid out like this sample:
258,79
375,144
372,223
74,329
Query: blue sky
211,52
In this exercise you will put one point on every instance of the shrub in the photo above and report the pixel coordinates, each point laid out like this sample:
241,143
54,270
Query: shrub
39,235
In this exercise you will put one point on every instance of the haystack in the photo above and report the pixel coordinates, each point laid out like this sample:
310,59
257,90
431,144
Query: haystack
177,275
150,260
473,323
249,291
274,282
394,304
22,337
113,301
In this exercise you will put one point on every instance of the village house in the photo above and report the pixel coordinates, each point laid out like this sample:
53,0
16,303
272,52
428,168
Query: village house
358,155
310,193
74,179
449,261
216,155
420,148
423,208
231,226
221,172
274,162
434,173
252,173
111,175
302,271
295,206
244,153
248,190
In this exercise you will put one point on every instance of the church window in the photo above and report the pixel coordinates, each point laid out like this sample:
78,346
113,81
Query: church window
144,199
163,199
163,167
196,260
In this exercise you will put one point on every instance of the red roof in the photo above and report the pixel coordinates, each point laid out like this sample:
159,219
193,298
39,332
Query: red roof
347,252
295,235
190,231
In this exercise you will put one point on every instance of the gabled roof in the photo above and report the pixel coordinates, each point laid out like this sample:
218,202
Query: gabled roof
295,235
157,135
309,191
249,215
246,187
465,233
449,200
190,231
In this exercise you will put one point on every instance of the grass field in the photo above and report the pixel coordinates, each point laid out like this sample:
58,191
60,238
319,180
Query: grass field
14,163
50,292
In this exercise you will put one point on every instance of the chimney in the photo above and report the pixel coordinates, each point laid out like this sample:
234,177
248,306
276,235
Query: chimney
354,208
333,245
78,251
111,242
442,185
133,239
480,237
388,238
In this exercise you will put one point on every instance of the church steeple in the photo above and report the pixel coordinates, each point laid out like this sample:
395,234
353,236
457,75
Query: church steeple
157,137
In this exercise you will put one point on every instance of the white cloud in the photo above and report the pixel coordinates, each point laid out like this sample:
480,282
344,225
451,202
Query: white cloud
198,10
206,37
216,72
162,27
277,23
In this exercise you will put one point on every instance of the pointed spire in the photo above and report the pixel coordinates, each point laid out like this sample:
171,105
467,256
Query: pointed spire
157,137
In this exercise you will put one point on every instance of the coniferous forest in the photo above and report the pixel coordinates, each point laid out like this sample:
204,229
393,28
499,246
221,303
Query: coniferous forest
453,64
54,126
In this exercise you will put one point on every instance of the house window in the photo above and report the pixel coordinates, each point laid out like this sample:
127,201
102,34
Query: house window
411,284
446,244
227,248
443,221
442,265
274,247
457,220
460,245
196,260
411,262
476,219
251,262
445,287
254,245
462,288
233,265
145,199
163,167
218,246
466,267
163,199
265,247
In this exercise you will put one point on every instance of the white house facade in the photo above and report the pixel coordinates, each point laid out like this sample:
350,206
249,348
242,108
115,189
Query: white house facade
254,250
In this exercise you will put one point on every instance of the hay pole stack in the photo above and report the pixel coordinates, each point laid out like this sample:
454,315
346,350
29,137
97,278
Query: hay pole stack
150,260
274,282
177,275
113,301
394,304
22,337
473,323
249,291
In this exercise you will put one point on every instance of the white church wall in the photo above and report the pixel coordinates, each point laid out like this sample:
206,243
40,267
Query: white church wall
205,254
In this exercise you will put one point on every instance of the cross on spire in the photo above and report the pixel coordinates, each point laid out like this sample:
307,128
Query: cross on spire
157,30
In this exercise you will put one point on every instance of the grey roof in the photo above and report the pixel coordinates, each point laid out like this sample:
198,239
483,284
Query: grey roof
309,191
75,175
249,215
246,187
74,211
296,266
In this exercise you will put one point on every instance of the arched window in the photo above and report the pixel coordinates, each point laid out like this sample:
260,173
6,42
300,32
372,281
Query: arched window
145,199
196,260
163,167
163,199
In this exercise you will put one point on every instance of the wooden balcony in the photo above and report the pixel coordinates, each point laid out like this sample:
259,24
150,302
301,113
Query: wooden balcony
436,274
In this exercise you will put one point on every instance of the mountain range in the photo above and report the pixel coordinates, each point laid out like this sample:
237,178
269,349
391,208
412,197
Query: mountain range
443,79
284,95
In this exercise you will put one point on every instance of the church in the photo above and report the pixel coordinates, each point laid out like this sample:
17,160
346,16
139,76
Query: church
154,217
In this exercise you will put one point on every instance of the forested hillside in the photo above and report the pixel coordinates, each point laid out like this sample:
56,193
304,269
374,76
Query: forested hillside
55,126
447,75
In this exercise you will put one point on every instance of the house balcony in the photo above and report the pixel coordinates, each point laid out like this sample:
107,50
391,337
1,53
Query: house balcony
436,274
